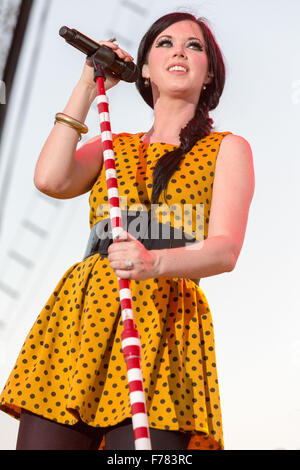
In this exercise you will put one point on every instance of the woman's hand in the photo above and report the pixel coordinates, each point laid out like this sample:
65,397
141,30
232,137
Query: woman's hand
127,248
87,77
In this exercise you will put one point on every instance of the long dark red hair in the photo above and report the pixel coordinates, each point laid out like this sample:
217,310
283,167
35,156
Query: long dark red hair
201,124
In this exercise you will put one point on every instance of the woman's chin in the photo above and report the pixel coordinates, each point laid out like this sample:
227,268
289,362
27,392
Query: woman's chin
178,91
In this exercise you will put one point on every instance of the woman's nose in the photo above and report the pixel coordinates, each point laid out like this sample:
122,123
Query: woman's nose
179,51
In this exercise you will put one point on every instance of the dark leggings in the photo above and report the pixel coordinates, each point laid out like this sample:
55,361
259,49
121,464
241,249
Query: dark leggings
38,433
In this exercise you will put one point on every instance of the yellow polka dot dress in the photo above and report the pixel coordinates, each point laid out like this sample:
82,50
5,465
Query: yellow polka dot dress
71,364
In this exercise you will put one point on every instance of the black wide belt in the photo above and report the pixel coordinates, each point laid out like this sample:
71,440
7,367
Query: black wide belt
155,236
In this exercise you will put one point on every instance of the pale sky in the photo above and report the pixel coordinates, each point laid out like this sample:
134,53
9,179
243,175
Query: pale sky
255,308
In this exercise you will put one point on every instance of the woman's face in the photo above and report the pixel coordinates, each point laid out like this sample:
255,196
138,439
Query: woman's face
177,62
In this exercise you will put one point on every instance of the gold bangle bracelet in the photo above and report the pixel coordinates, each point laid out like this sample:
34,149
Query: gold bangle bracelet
79,126
69,125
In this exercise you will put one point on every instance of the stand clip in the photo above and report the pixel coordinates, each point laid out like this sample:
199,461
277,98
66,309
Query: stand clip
98,67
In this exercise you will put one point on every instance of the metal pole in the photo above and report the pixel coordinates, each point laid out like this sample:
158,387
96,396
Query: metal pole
131,345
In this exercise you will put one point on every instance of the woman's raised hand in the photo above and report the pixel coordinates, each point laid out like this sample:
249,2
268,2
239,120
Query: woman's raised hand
87,76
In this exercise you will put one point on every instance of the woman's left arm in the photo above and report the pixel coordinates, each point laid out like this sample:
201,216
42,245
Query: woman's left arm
233,191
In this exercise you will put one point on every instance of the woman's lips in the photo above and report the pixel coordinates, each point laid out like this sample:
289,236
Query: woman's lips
177,69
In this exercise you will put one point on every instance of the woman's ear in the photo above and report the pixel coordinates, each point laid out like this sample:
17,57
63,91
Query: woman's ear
145,71
210,76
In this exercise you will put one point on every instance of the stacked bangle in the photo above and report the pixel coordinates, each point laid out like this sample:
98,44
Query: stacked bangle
69,121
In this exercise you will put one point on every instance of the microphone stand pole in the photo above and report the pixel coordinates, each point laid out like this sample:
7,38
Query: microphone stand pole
131,345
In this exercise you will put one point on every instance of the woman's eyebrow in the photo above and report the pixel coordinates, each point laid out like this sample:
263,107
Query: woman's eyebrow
171,37
192,38
165,36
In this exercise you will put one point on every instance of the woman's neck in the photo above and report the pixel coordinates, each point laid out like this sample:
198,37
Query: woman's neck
170,116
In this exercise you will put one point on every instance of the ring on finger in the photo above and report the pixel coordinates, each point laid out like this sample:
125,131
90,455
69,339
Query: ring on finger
129,264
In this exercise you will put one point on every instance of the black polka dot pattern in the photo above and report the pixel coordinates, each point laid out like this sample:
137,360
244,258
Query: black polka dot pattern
71,364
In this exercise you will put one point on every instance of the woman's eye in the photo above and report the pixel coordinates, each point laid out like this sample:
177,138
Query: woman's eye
164,42
195,45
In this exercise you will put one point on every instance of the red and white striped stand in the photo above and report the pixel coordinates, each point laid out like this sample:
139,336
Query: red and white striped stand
131,345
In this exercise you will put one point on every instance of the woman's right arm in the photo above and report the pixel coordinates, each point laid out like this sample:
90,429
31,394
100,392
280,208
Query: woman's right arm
62,171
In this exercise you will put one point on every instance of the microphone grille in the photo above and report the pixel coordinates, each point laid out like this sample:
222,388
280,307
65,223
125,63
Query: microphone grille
66,33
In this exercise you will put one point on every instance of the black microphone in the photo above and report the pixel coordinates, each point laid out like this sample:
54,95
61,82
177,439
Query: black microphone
126,71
